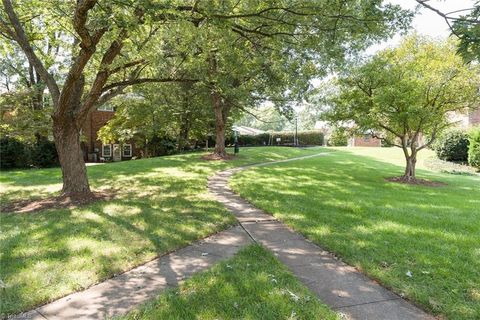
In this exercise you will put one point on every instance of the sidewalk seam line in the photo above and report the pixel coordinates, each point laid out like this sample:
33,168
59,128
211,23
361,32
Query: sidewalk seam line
41,314
364,303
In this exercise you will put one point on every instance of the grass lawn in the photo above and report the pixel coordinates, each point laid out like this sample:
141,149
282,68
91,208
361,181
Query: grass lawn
162,205
342,202
251,285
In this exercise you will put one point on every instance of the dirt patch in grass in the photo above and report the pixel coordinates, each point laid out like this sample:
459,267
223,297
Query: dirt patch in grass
420,182
213,156
57,202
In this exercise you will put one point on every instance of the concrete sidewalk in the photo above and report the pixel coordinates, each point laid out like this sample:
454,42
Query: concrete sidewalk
120,294
340,286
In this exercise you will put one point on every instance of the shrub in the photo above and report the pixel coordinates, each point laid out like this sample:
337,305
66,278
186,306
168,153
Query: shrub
452,146
13,154
474,147
161,146
338,138
305,138
44,153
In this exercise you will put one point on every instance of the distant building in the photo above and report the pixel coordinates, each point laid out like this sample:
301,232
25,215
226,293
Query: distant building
93,149
474,117
364,141
466,120
247,131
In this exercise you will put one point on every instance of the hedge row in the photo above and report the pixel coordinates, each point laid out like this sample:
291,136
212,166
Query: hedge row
16,154
305,138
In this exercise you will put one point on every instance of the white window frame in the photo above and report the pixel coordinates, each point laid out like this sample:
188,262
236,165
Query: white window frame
103,150
106,107
123,150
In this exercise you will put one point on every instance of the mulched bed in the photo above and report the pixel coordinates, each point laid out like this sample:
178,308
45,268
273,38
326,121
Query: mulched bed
420,182
57,202
213,156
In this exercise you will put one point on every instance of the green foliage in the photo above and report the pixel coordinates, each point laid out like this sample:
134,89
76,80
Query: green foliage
160,146
452,146
467,28
262,139
21,119
161,112
18,154
391,93
305,138
474,147
13,154
44,154
404,92
338,137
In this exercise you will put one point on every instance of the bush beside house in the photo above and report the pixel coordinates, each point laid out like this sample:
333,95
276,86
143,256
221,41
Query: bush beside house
453,146
13,154
17,154
338,138
474,147
286,138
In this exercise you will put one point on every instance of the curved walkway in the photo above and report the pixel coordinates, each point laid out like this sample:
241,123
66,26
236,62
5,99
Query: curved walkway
337,284
340,286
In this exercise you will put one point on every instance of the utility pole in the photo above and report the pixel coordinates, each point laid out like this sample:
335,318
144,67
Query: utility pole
236,148
295,140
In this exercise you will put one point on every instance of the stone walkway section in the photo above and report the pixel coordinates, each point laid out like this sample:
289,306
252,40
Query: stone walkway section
342,287
120,294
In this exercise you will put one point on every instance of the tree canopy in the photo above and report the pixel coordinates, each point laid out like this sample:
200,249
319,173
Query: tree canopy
240,53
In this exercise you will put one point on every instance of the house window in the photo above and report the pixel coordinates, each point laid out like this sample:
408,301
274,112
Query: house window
366,138
106,150
127,150
106,107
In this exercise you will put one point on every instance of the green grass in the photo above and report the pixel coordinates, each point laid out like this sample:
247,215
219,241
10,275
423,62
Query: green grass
162,205
342,202
251,285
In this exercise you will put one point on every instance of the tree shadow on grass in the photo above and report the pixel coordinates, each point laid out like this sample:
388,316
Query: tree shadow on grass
94,243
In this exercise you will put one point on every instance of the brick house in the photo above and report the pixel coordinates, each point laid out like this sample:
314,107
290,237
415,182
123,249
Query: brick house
474,117
93,149
364,141
465,121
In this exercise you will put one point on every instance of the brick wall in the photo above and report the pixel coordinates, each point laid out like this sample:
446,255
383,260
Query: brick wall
364,142
474,117
97,119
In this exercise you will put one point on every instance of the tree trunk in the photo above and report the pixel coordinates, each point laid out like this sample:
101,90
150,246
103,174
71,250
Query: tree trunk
410,168
74,171
219,108
184,131
220,126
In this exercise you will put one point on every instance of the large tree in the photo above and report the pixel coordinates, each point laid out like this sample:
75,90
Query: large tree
405,95
268,51
102,53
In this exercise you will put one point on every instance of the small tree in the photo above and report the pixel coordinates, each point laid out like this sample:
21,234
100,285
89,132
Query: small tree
405,95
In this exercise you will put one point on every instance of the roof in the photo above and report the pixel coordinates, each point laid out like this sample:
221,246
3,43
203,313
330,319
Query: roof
242,130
